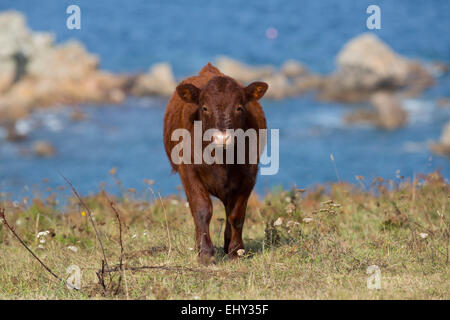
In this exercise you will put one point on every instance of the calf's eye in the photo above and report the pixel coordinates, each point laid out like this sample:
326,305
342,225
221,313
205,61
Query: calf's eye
239,108
204,108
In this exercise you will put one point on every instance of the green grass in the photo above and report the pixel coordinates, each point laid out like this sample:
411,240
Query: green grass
381,223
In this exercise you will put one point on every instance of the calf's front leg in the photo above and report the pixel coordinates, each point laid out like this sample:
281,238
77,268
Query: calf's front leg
201,210
235,211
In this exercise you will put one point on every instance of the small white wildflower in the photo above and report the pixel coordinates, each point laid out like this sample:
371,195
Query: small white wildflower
42,241
72,248
191,249
423,235
18,222
16,204
133,236
42,234
278,222
196,297
287,199
186,204
307,220
240,252
174,202
40,246
291,223
290,208
145,233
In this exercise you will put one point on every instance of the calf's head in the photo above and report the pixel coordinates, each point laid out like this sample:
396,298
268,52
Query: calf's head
222,104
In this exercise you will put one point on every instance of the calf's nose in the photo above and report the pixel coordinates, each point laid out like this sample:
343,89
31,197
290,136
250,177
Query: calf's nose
222,138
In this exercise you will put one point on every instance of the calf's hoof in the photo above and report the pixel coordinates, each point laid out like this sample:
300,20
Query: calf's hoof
235,253
206,259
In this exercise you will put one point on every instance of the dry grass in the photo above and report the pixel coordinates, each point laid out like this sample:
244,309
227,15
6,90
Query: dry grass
327,238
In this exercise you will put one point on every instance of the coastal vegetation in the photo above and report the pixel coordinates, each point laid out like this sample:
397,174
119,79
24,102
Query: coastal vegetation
300,244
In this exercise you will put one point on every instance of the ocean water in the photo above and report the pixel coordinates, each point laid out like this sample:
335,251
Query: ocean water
130,36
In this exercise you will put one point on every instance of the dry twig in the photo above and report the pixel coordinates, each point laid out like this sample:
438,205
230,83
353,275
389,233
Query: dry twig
8,226
116,212
89,215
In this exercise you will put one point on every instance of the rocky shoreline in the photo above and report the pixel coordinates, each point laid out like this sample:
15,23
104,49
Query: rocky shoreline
36,73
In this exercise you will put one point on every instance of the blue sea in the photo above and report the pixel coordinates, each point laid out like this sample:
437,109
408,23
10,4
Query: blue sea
130,36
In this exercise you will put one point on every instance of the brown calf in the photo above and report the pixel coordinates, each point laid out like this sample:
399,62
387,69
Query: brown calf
220,103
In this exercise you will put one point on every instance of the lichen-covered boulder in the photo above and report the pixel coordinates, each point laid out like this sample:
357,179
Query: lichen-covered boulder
34,72
386,112
242,72
293,69
443,146
159,81
366,65
43,149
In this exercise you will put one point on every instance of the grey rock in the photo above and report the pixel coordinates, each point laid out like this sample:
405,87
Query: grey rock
442,147
386,113
293,69
242,72
366,65
158,81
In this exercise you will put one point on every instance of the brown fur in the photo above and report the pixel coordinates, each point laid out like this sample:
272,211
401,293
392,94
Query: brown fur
231,183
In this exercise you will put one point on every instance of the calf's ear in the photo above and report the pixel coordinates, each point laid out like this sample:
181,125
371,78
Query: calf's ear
188,92
256,90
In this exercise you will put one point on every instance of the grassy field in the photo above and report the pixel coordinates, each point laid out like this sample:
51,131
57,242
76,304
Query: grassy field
300,244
